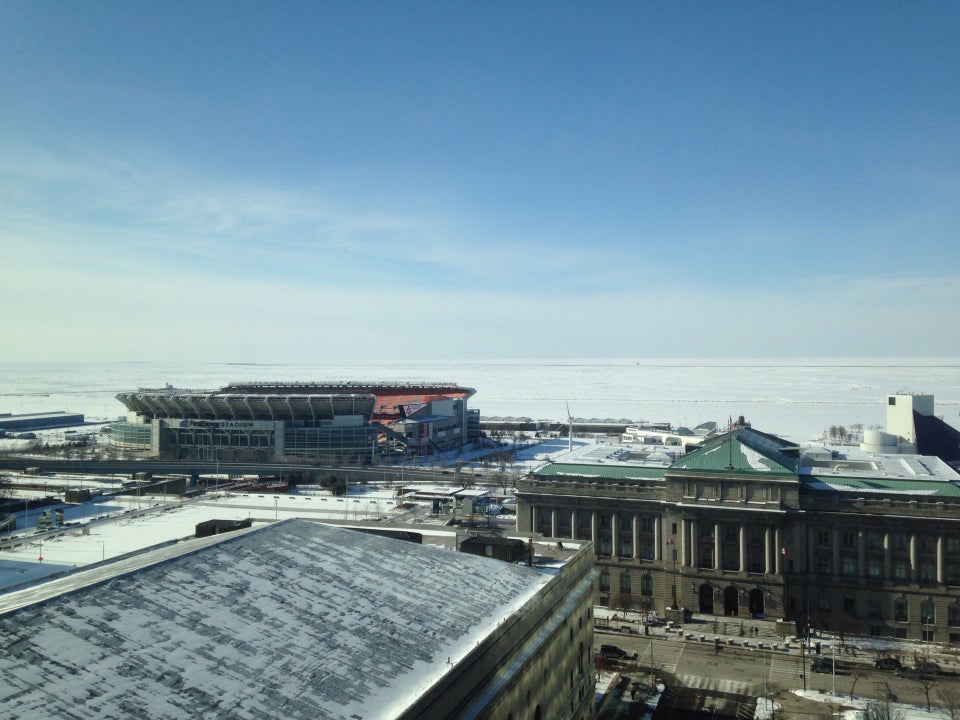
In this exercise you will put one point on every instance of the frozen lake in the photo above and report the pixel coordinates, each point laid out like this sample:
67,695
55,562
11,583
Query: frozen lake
797,398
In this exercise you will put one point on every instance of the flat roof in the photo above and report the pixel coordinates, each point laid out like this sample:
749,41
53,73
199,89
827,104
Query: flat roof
296,618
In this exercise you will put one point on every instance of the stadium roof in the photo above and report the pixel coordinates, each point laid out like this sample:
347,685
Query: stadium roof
296,619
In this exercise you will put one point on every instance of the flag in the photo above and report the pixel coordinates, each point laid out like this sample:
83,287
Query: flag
670,541
783,550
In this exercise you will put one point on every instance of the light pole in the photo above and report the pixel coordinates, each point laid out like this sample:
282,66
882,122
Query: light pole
276,503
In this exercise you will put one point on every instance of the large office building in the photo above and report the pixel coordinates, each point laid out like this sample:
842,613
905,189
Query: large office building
295,422
749,523
302,620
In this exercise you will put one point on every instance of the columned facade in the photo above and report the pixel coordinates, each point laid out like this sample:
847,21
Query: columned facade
735,541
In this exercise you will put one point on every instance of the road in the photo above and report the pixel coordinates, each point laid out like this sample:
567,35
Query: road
751,672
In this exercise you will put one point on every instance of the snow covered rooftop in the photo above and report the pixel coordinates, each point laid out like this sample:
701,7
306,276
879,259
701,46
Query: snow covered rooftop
294,619
846,468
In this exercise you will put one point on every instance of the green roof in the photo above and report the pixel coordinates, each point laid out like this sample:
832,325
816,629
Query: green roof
743,452
590,472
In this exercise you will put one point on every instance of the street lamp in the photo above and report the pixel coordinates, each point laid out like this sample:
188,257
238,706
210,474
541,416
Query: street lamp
276,502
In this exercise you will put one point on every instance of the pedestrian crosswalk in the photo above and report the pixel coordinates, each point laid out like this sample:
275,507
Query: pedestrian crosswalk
722,685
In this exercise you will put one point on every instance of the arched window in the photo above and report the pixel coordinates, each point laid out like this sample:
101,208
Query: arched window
953,613
927,613
646,584
625,582
900,609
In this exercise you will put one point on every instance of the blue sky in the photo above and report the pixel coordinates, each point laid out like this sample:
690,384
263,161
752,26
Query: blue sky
365,181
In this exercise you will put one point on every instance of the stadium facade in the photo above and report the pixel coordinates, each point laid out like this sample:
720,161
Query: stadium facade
296,422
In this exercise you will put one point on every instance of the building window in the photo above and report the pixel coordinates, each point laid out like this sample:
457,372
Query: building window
875,607
824,602
874,540
848,538
646,524
953,613
823,537
731,532
926,573
646,549
625,583
823,563
605,581
900,610
901,542
900,571
927,613
953,545
646,585
874,569
850,606
849,566
604,521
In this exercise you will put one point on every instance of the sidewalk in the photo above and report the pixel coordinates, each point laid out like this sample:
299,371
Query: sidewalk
761,634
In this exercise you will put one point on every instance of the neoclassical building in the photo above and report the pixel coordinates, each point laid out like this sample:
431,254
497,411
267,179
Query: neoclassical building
750,523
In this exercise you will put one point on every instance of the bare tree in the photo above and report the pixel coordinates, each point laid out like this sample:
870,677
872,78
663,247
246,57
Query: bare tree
857,674
949,699
927,683
881,711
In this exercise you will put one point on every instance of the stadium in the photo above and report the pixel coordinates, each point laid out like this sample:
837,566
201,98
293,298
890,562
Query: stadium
296,422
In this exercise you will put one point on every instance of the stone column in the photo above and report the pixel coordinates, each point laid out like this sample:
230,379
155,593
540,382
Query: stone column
553,523
635,528
593,530
940,559
694,544
573,524
614,535
913,558
717,557
743,548
861,555
766,550
777,552
835,542
887,573
684,541
657,550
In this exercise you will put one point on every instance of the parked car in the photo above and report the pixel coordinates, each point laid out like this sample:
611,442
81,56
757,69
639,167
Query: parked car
887,663
822,665
927,667
612,652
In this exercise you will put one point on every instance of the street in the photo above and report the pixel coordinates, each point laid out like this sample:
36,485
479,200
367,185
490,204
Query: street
738,671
